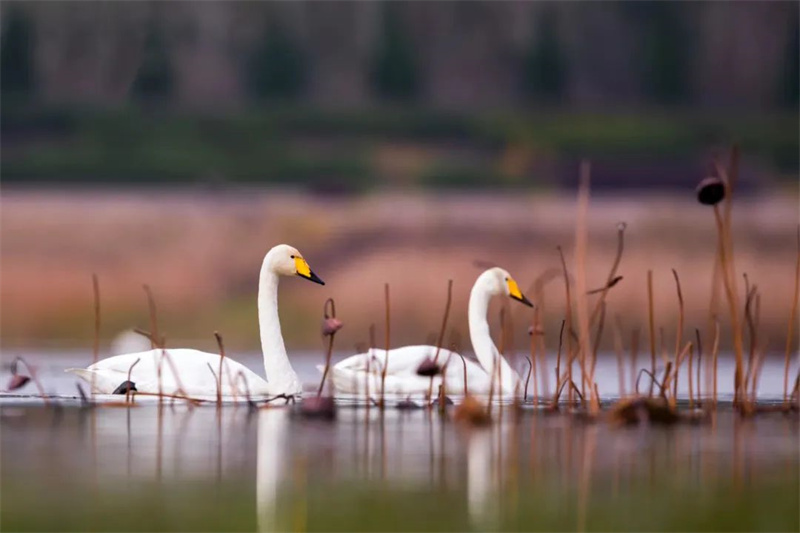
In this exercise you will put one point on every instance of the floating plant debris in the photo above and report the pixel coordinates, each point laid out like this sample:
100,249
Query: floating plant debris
471,411
320,407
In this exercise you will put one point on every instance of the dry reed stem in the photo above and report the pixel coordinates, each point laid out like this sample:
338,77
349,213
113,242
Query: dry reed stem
699,364
634,352
728,277
558,360
611,280
679,332
130,370
581,238
386,344
714,357
792,320
440,339
464,363
96,345
678,360
619,349
568,319
329,351
651,328
665,380
760,356
190,401
752,332
532,361
598,337
538,289
221,359
691,387
653,379
527,379
32,371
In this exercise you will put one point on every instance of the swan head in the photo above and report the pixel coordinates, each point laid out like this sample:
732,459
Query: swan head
286,260
498,281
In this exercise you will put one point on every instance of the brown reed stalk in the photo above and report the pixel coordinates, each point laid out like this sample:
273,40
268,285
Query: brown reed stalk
527,379
634,352
690,378
130,371
752,334
618,348
699,365
760,356
612,279
665,380
678,360
151,305
651,328
598,337
568,319
792,320
329,351
96,344
386,344
581,238
538,290
558,363
728,277
34,377
714,356
221,359
464,362
679,332
440,339
532,359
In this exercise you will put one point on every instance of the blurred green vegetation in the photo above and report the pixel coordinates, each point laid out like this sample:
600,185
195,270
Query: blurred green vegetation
230,506
319,150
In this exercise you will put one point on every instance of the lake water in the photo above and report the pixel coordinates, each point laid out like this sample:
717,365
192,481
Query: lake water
179,468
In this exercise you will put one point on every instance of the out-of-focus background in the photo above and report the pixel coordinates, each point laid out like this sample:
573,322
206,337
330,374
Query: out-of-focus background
173,143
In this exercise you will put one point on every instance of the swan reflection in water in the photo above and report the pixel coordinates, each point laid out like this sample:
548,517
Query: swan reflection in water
270,465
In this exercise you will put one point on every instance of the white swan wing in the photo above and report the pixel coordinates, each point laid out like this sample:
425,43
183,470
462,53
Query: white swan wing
193,371
361,373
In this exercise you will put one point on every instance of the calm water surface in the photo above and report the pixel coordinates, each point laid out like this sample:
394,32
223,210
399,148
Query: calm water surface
203,469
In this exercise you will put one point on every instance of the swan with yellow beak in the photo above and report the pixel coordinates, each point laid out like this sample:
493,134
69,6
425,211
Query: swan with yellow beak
195,373
361,374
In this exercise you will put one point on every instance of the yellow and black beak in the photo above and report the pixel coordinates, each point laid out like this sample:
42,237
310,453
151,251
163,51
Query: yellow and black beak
304,271
515,293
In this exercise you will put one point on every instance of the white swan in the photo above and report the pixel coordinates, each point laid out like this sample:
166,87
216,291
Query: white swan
350,376
197,371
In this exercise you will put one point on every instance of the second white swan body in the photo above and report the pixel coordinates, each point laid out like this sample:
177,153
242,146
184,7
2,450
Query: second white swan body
361,374
195,373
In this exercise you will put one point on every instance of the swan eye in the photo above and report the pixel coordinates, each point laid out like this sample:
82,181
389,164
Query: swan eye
292,256
506,279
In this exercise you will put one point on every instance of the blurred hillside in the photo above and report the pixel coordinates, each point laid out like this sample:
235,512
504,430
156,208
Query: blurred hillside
351,96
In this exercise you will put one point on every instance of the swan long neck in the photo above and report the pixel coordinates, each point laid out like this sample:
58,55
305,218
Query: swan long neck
279,372
487,353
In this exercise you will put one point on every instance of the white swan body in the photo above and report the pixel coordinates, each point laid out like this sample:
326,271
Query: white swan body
197,371
351,376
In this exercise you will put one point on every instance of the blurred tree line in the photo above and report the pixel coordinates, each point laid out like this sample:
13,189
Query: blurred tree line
180,90
742,54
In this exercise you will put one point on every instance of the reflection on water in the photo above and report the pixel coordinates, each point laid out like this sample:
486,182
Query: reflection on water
532,466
